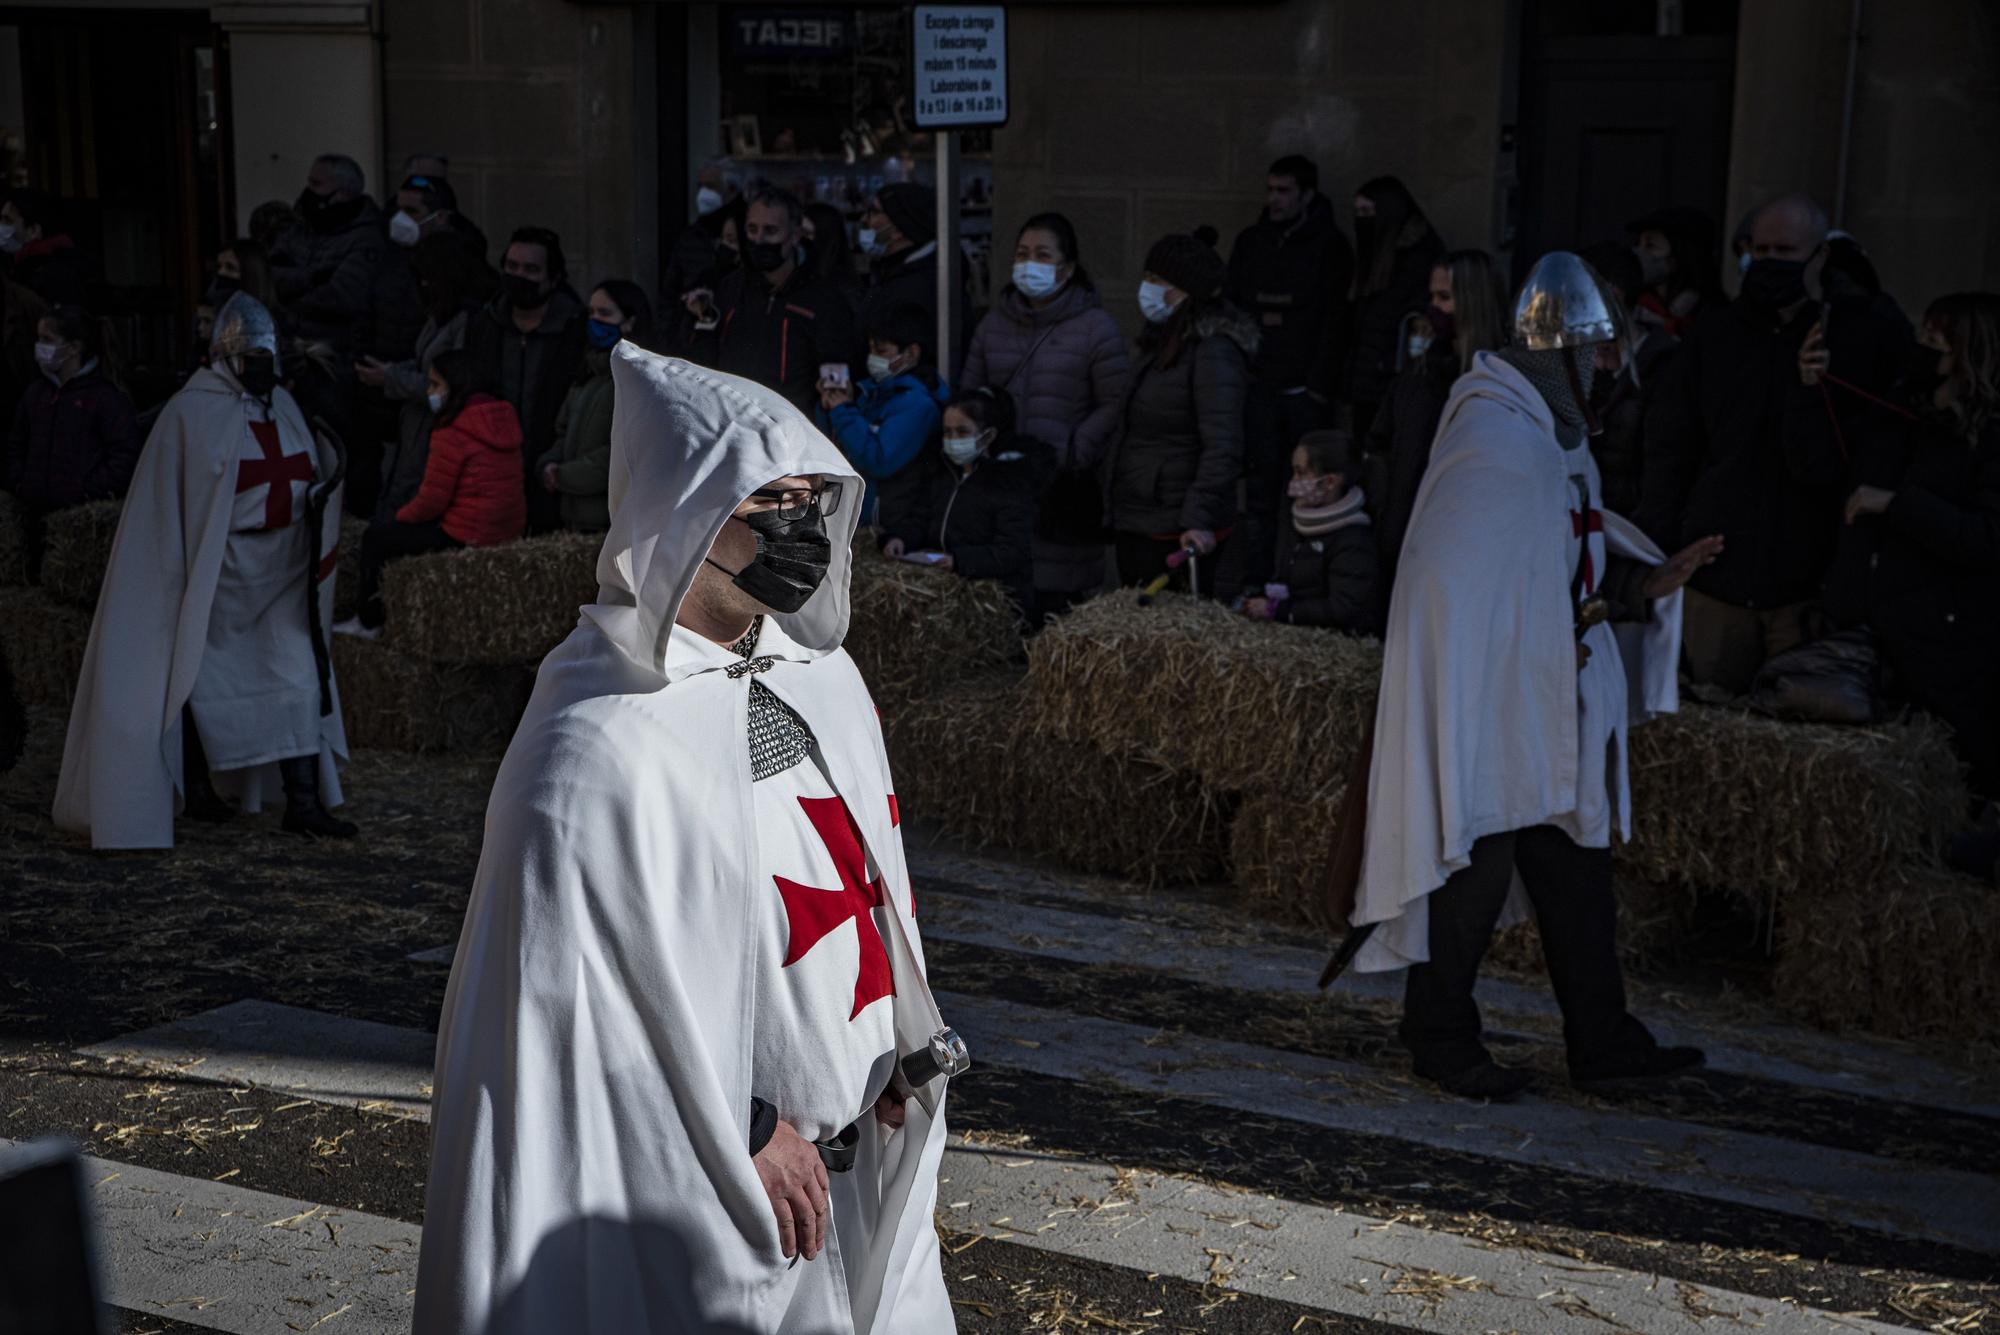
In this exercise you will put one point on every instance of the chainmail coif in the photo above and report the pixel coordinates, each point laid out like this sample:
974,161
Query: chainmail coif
1544,370
779,739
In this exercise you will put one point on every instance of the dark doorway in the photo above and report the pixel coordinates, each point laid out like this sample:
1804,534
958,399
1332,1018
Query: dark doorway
1617,118
125,124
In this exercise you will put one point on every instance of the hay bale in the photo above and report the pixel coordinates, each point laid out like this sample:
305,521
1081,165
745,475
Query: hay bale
347,573
915,630
490,606
77,550
966,760
397,702
13,543
44,643
1729,801
1236,703
1911,954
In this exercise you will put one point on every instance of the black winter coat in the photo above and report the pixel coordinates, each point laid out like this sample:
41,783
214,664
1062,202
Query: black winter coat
70,445
1293,279
985,518
778,337
534,372
1177,465
1335,581
396,310
1401,434
1621,403
907,277
325,274
1378,318
1926,574
1753,451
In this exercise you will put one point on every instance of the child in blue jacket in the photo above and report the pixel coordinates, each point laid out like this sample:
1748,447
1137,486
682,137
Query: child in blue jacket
887,427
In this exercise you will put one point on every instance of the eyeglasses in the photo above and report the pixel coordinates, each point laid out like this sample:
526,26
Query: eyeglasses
793,503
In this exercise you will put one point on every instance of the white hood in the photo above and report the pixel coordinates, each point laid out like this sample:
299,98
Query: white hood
687,446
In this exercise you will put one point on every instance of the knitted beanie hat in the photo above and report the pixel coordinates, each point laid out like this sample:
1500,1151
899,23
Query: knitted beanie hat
1189,263
912,207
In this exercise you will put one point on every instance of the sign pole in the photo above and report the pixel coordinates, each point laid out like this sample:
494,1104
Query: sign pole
950,256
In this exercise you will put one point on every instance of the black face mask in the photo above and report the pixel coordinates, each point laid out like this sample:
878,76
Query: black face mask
1920,370
219,292
1775,284
523,292
310,205
791,561
1364,237
766,256
727,257
256,375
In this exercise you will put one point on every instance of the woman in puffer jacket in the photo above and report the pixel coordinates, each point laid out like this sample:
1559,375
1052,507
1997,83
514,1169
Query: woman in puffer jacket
1172,480
1049,344
471,494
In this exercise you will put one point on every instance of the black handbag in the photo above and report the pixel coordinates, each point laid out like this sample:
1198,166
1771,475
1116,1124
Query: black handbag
1833,680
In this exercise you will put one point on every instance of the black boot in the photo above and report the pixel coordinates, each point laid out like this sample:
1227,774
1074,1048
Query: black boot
1633,1061
1484,1079
304,813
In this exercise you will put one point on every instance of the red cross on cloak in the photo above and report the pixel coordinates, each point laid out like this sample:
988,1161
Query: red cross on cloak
1578,528
812,913
277,468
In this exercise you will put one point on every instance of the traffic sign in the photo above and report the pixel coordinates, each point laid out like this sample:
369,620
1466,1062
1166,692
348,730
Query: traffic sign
958,66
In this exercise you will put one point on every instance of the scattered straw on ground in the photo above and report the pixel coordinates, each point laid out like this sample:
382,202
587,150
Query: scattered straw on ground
490,606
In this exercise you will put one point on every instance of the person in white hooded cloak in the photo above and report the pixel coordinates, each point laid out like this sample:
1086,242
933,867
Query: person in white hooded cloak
206,668
1527,628
690,1077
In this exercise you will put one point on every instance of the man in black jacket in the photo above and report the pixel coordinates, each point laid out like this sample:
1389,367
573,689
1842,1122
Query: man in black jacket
899,237
529,342
1291,270
772,321
325,266
1736,445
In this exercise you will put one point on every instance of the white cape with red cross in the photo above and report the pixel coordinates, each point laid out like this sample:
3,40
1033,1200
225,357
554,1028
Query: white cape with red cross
1484,723
121,779
590,1169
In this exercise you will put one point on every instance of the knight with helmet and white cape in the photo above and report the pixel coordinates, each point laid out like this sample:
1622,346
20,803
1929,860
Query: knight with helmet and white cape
690,1076
208,648
1528,629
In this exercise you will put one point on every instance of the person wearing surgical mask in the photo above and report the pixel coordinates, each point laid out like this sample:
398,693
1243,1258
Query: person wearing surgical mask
577,468
885,424
1330,575
1174,473
1056,352
75,437
974,510
471,492
1678,269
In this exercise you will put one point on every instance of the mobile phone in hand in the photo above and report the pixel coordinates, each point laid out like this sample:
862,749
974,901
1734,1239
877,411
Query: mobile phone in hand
922,558
835,374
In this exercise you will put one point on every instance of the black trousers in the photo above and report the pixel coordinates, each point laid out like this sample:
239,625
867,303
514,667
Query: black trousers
385,540
1570,888
1273,421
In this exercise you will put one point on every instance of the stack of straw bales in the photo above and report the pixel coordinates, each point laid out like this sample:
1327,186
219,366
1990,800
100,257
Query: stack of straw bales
490,606
968,759
347,573
915,631
400,702
44,643
77,548
13,551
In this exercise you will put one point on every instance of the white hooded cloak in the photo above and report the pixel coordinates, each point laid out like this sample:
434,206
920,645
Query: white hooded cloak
590,1169
192,609
1484,723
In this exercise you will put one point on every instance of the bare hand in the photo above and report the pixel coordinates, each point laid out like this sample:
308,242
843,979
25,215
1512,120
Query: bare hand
1200,539
370,372
1582,655
889,1108
831,396
1814,356
1258,609
893,549
1868,501
1680,567
697,301
549,477
943,561
795,1180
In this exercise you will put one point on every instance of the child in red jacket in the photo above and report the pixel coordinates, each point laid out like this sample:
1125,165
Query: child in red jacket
472,490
